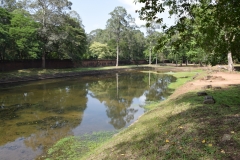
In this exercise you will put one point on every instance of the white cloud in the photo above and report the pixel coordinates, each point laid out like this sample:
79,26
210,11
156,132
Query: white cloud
131,7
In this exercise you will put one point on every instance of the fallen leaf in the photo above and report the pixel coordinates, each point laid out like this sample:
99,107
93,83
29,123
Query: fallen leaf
222,151
210,145
203,141
167,141
232,132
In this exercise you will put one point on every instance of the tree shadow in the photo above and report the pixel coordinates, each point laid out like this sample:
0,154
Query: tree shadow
209,131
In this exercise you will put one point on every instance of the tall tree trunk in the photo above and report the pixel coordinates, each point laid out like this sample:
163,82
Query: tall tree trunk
229,40
230,62
156,59
44,60
3,53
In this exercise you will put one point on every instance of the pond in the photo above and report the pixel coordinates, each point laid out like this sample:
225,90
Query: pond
35,115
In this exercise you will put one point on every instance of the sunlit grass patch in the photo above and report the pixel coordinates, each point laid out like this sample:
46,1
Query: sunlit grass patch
182,77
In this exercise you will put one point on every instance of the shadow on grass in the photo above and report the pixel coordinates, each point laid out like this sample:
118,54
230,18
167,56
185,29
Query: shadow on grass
199,131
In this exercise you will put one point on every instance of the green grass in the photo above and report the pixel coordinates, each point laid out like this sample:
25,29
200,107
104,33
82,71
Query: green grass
171,129
75,147
183,77
181,128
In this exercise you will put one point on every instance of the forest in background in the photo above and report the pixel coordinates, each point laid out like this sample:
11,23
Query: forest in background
205,32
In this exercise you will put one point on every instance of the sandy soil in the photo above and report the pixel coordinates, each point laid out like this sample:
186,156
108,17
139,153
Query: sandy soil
216,80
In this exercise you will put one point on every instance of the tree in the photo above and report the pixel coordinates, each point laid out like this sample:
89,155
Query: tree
117,24
225,14
151,34
132,44
23,31
49,14
9,5
74,45
160,46
5,39
100,51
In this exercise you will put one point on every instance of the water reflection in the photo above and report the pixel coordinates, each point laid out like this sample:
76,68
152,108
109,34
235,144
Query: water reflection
118,95
34,116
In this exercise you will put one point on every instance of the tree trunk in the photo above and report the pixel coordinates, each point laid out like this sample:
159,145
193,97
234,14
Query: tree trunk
43,60
156,60
3,53
230,62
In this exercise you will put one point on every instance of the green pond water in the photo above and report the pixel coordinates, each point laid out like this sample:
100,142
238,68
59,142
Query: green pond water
35,115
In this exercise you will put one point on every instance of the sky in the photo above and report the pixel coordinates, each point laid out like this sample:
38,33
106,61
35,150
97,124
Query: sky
95,13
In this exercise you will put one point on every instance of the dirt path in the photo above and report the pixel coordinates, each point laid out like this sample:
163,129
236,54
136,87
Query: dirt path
216,80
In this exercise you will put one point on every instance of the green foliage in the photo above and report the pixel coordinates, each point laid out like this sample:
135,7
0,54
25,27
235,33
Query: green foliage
73,46
77,147
23,31
120,36
41,30
202,26
5,39
100,51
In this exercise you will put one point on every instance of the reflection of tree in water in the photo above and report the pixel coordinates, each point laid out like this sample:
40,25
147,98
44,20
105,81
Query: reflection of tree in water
48,114
118,93
158,89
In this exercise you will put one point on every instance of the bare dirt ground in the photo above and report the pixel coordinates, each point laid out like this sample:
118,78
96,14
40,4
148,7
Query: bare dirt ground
214,80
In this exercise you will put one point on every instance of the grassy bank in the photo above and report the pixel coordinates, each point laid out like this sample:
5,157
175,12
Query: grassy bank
182,128
39,71
181,78
178,128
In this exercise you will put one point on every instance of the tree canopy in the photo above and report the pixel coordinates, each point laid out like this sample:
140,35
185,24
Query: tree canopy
41,29
202,25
